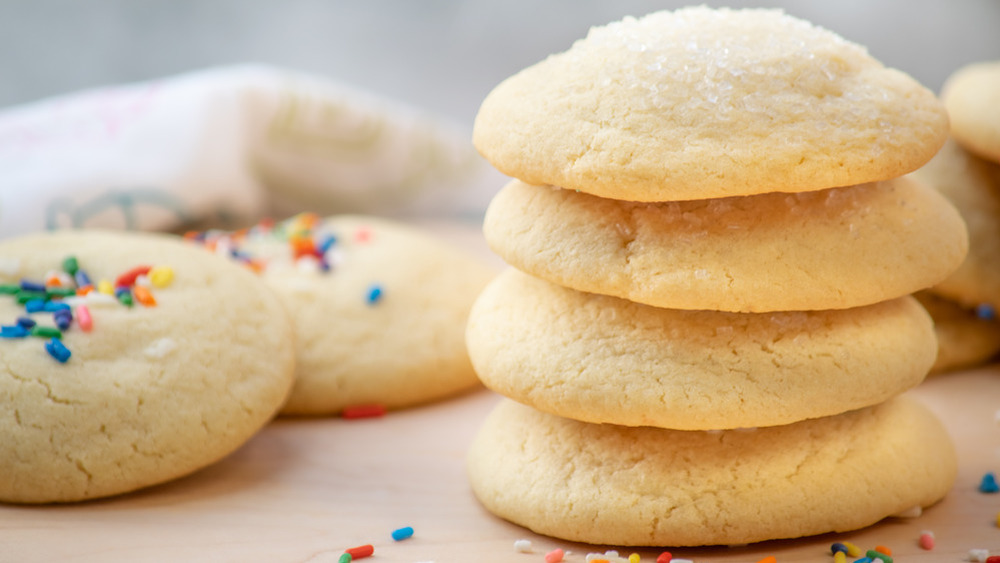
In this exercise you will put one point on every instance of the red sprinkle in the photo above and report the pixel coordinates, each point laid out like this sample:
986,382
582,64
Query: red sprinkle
664,557
993,559
926,541
554,556
361,551
363,411
128,278
363,234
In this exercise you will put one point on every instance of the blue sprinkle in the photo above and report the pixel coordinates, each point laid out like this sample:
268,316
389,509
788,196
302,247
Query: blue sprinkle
402,533
34,305
863,560
54,306
374,294
58,350
26,322
837,546
327,243
989,484
63,319
986,312
13,331
82,279
121,290
28,285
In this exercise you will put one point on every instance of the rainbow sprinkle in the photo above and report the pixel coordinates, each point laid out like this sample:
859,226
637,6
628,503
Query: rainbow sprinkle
61,295
308,247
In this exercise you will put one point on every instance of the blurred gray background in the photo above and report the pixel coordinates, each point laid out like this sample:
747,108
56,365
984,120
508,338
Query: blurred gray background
440,55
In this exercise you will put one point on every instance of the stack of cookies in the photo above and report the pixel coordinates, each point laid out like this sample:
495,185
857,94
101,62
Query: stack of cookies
709,323
967,172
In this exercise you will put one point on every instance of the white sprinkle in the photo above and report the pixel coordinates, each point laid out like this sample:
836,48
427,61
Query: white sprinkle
914,512
160,348
675,560
307,265
10,266
978,555
522,546
143,280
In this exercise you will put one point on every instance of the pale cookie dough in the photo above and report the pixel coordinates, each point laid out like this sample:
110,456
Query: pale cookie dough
702,103
966,338
972,97
602,359
606,484
384,324
972,185
151,392
831,249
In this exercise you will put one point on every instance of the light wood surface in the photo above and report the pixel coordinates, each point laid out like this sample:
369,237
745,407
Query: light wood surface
303,490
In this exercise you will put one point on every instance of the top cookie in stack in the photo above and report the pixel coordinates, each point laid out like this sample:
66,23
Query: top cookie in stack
703,104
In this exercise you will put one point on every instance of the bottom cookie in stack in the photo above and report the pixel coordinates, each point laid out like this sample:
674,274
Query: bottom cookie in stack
609,484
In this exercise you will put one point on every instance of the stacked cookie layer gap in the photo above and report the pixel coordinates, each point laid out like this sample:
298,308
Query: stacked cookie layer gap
709,319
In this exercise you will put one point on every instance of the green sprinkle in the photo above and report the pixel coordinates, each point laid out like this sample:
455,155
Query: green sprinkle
345,558
59,292
46,331
9,288
876,555
70,265
125,298
23,296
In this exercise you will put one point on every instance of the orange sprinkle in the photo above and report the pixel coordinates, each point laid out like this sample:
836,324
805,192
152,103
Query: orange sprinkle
554,556
142,295
771,559
256,265
302,246
53,281
84,290
191,235
883,549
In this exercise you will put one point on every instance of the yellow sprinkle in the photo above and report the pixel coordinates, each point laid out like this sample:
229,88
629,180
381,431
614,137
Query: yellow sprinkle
105,287
998,519
852,550
839,557
634,558
161,276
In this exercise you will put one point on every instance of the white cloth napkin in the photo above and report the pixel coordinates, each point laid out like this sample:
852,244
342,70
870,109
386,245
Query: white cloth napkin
226,147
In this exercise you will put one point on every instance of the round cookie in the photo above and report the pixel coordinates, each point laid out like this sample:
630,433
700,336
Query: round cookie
972,185
831,249
379,309
965,338
602,359
149,392
606,484
702,103
971,97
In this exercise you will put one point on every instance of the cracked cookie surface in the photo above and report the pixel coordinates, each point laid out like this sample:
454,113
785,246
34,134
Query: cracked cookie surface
701,103
602,359
150,393
607,484
830,249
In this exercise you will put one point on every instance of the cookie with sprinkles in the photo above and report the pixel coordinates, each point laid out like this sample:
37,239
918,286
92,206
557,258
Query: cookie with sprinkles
129,360
379,309
616,485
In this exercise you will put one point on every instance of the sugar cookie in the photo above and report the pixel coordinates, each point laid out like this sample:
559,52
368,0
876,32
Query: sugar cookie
972,185
606,484
379,308
832,249
198,363
602,359
965,337
702,103
971,97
